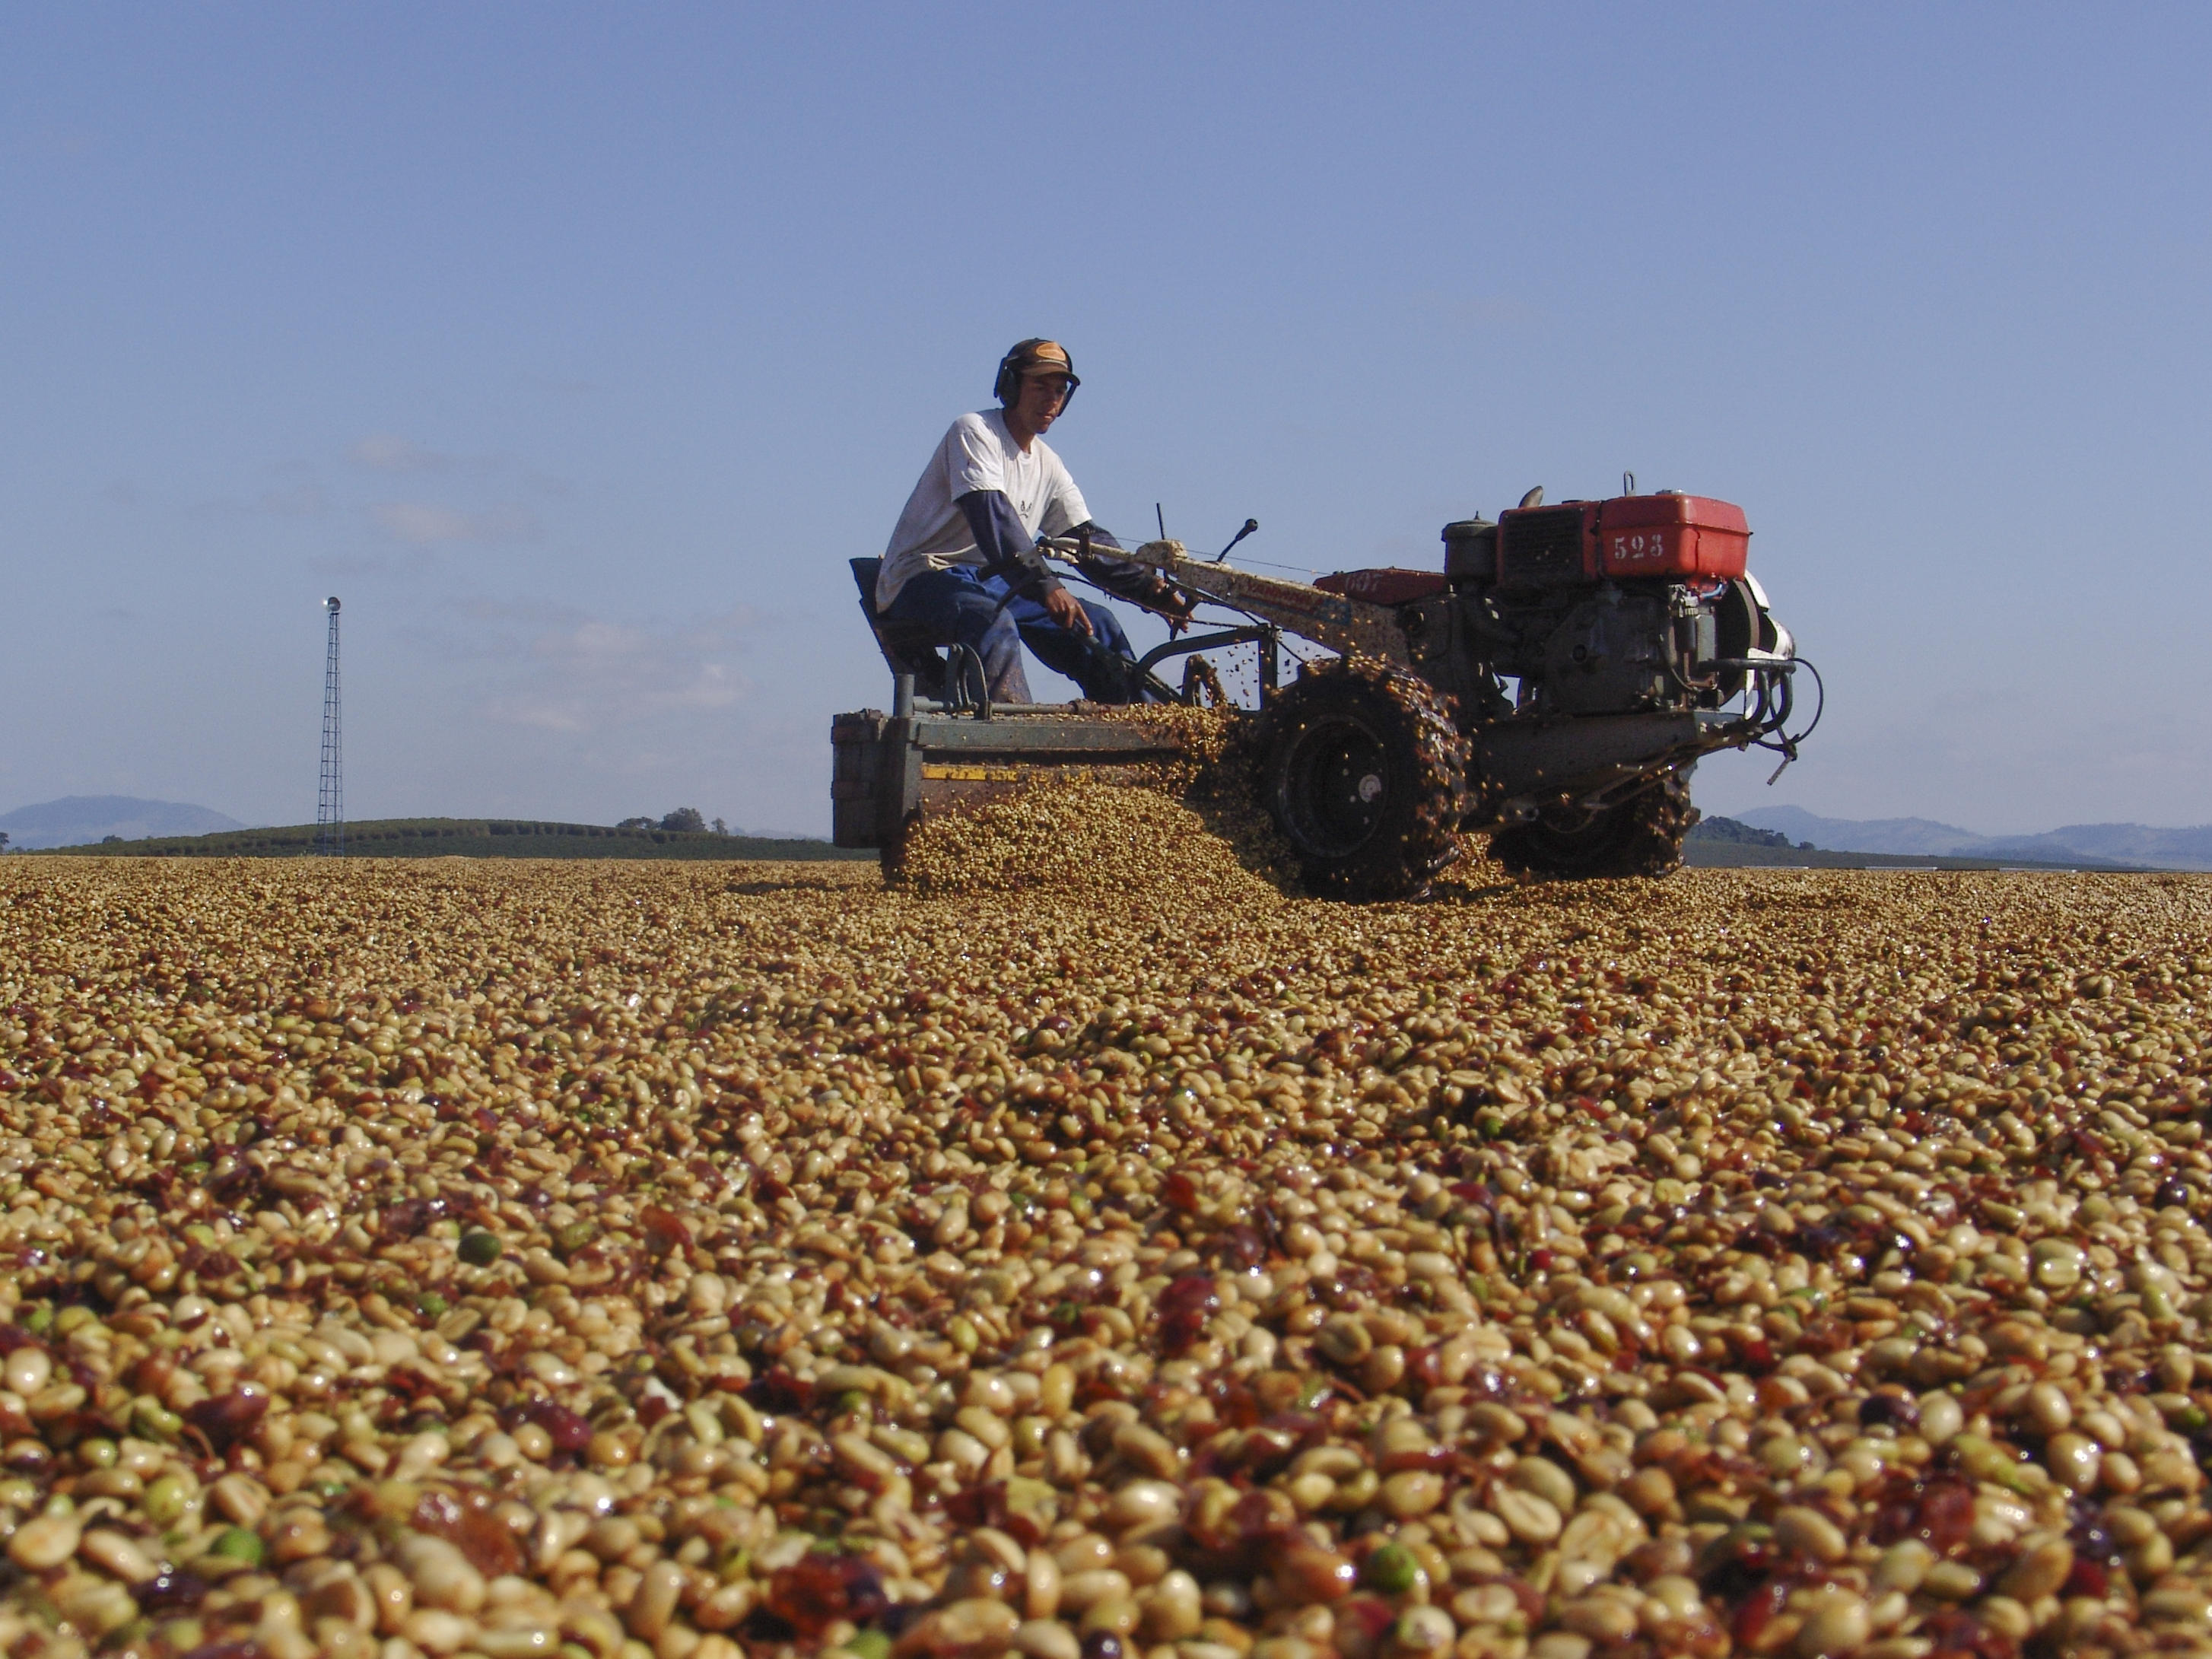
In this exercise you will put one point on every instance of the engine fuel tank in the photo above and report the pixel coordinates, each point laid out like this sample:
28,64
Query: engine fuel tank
1669,535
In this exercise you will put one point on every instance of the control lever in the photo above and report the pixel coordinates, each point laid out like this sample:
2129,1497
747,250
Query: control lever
1250,524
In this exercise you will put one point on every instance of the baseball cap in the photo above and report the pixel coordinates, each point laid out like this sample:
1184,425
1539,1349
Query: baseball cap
1042,357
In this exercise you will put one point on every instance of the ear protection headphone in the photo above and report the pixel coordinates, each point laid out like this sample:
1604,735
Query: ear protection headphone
1017,362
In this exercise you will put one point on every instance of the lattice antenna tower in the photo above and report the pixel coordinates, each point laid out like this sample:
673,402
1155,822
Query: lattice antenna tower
330,799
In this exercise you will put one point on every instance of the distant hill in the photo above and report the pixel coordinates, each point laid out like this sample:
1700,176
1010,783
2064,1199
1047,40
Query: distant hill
1742,834
2081,843
2132,843
1865,835
1751,855
476,838
74,819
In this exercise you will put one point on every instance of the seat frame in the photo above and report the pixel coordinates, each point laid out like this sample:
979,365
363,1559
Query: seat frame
908,647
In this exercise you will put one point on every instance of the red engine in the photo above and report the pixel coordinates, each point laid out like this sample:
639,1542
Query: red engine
1668,536
1672,537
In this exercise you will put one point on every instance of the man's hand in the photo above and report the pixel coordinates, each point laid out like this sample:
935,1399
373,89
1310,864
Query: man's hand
1174,604
1064,607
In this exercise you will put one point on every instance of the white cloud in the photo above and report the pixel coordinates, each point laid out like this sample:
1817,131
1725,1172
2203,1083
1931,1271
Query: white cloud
387,452
301,501
588,674
1476,312
305,501
425,524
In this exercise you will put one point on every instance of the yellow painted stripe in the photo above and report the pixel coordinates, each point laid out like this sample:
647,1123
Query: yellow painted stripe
997,774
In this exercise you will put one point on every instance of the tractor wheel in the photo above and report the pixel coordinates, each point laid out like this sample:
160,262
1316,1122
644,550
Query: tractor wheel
1642,836
1365,775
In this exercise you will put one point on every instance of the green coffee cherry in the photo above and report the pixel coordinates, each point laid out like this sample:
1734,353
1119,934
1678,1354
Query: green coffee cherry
1391,1571
165,1500
240,1544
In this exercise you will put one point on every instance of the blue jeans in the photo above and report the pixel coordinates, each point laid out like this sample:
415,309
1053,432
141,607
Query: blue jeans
959,605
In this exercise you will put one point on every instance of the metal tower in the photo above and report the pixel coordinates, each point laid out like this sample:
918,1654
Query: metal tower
330,801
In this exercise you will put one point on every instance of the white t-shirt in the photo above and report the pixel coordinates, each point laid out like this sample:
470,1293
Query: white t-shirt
977,453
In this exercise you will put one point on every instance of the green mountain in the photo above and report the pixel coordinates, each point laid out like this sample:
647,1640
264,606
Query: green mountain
1712,828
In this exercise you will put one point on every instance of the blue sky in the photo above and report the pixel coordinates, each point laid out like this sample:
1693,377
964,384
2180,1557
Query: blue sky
577,348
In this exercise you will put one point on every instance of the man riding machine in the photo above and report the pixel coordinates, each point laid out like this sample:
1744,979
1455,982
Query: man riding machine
962,568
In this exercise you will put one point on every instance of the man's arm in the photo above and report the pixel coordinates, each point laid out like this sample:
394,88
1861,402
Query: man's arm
1139,584
1009,550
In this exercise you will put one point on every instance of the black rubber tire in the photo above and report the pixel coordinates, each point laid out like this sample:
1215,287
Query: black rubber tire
1364,773
1642,836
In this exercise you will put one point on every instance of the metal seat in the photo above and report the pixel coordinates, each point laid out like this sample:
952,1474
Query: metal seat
908,647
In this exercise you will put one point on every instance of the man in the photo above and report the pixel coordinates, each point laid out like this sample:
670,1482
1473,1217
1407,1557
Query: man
962,562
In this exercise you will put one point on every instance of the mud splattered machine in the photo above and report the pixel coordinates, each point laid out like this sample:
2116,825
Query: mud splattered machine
1554,684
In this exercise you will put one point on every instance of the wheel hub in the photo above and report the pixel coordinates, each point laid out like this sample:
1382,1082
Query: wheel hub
1338,787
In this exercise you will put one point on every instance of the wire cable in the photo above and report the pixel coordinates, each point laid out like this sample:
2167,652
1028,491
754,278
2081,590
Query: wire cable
1786,745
